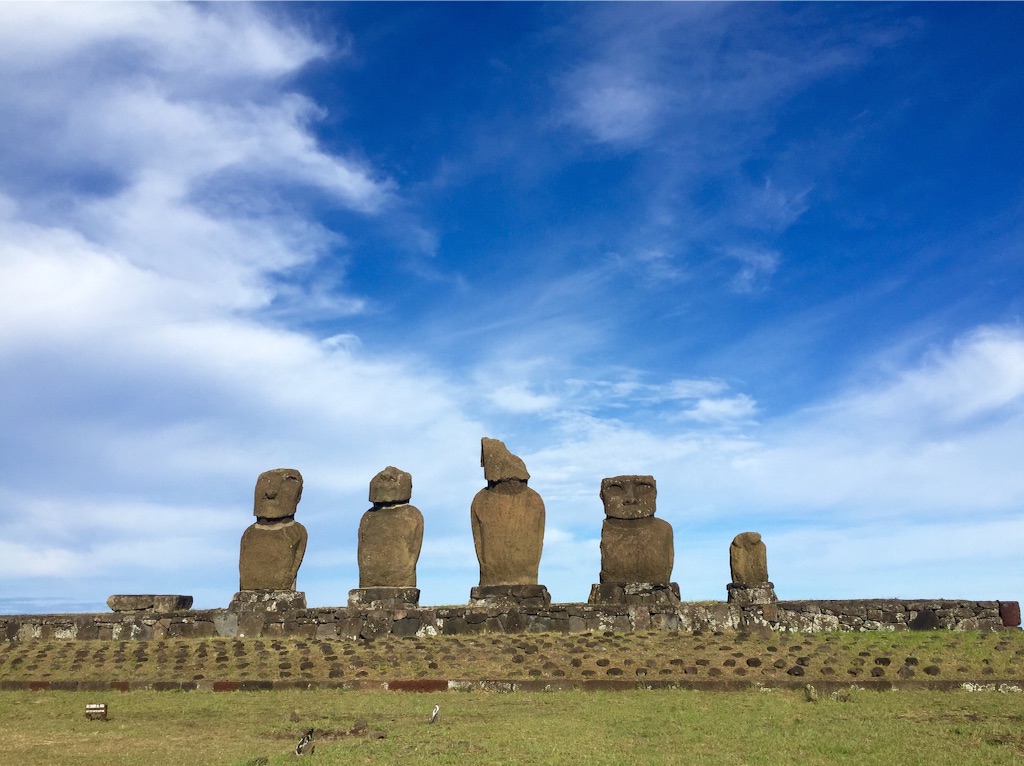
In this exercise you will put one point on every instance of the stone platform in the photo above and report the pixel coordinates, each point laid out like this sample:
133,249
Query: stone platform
634,593
384,598
525,596
367,624
722,660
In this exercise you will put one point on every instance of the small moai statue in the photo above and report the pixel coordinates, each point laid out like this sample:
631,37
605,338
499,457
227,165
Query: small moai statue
390,537
508,531
637,550
272,548
748,566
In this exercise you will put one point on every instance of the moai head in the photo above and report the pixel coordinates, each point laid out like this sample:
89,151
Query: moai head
499,464
629,497
390,486
277,493
746,539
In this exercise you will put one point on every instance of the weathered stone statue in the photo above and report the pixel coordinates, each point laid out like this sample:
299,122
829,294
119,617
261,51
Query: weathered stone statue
748,565
637,550
748,559
390,537
273,547
508,530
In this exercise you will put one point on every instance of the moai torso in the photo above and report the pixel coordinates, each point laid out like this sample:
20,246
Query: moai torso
390,533
636,550
508,520
270,556
635,546
748,559
272,549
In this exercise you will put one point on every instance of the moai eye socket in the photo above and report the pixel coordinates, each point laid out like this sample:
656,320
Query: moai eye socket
614,491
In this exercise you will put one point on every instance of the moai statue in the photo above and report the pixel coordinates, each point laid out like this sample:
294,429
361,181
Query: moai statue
748,565
508,531
273,547
637,550
390,537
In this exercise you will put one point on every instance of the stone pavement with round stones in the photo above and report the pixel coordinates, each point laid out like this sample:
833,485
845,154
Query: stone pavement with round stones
935,659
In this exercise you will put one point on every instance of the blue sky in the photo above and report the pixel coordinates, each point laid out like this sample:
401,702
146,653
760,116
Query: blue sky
769,253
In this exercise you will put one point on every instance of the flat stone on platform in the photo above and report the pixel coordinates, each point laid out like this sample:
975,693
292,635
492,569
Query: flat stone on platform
1009,613
267,601
638,593
509,595
384,598
149,603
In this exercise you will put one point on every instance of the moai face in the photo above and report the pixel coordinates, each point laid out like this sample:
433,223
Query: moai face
277,493
391,485
629,497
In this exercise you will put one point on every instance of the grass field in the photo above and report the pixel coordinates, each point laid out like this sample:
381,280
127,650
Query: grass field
645,727
761,725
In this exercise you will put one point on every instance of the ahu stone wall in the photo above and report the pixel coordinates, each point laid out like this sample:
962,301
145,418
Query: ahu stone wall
885,614
368,624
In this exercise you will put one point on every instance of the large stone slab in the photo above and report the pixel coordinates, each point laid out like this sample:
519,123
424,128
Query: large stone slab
160,604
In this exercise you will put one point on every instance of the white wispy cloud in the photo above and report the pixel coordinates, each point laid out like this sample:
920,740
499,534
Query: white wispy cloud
146,350
756,268
217,44
691,96
933,442
671,73
138,360
614,106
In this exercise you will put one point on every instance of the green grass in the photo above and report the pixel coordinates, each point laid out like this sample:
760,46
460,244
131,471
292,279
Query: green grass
670,726
648,727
